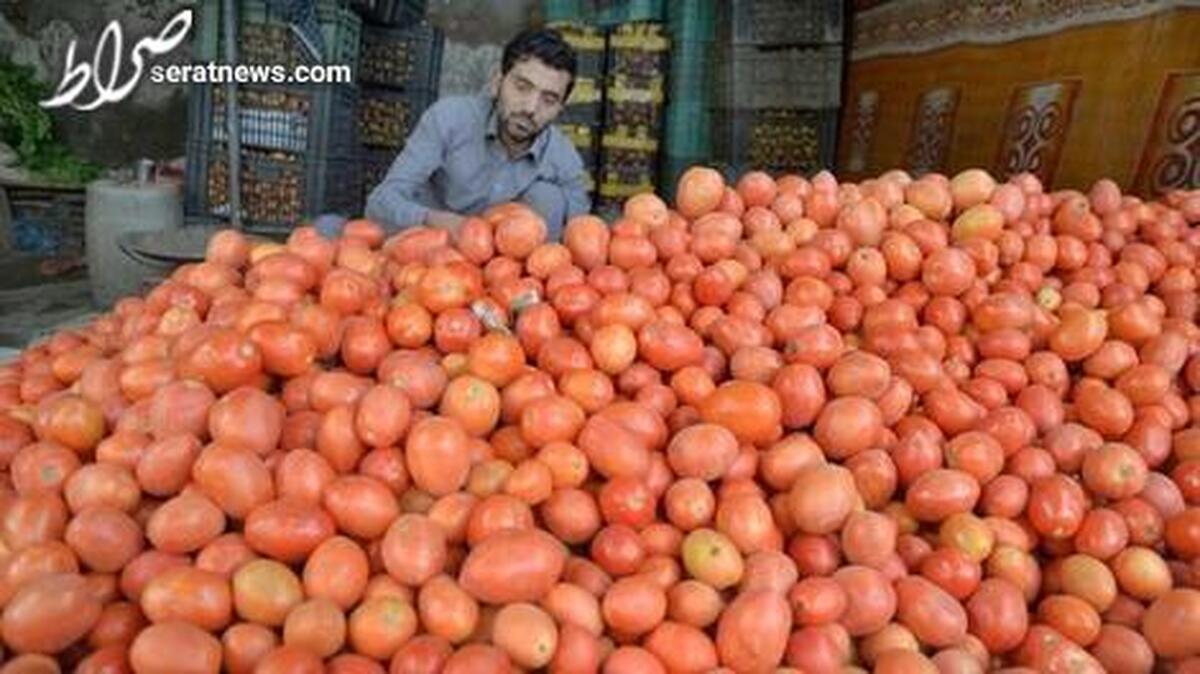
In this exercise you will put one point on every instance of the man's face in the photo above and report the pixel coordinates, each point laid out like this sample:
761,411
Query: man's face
530,96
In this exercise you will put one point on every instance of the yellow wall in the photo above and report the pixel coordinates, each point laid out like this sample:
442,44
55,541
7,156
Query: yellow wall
1121,68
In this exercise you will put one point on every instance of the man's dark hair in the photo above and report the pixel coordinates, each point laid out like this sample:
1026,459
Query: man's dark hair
547,46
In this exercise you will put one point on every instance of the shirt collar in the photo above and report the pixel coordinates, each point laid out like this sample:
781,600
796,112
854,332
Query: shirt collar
536,150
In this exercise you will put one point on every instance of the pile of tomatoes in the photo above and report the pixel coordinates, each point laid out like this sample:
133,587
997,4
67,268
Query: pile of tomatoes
931,425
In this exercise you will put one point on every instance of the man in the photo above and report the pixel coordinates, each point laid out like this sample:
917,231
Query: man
471,152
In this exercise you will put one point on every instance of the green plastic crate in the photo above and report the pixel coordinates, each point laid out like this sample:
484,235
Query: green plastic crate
692,20
692,73
688,129
613,12
564,10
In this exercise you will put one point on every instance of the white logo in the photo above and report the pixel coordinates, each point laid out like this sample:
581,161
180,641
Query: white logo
77,76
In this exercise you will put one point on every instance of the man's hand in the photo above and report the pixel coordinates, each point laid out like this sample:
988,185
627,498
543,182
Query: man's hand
329,225
446,220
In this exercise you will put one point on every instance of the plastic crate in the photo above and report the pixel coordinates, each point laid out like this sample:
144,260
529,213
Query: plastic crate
589,63
614,12
688,129
589,114
608,208
374,165
624,191
585,91
781,140
279,190
386,117
639,37
691,73
692,20
46,221
634,102
318,120
266,38
784,22
633,138
391,12
786,78
583,137
580,34
637,63
630,114
401,57
565,10
627,167
585,141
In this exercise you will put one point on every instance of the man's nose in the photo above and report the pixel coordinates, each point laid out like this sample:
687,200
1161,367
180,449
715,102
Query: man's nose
528,104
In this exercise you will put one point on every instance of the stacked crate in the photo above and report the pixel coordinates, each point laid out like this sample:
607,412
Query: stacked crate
603,13
399,69
779,85
391,12
581,118
297,141
635,94
615,13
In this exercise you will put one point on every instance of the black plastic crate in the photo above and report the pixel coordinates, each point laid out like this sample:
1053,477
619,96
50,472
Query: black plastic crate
634,101
589,114
795,77
608,208
582,136
589,63
784,22
319,120
626,167
585,140
638,63
279,190
391,12
46,221
643,139
273,120
589,44
407,58
386,117
781,140
374,165
265,36
629,114
586,91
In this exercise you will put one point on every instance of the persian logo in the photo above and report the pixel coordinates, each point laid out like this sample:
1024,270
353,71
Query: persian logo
78,76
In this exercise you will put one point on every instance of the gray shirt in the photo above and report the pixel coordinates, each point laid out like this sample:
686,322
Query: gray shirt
454,161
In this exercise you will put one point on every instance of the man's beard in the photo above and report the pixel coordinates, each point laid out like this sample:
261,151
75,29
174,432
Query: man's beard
519,127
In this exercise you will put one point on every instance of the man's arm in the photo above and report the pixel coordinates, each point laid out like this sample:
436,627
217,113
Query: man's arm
575,192
558,198
393,203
